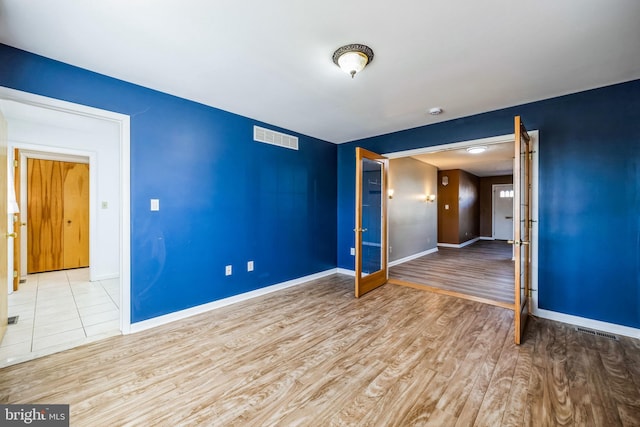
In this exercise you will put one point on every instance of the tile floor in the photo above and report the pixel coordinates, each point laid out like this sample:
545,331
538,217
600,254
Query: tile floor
59,310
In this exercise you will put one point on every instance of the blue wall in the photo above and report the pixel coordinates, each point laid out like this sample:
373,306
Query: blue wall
589,198
227,200
224,198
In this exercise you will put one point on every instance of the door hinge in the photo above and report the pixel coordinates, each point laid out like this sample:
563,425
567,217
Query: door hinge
15,163
15,273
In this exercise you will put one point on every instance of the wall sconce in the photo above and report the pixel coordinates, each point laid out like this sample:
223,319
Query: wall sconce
430,198
390,193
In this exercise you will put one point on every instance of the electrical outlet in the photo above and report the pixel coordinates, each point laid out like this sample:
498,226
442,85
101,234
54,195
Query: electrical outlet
227,270
250,266
353,251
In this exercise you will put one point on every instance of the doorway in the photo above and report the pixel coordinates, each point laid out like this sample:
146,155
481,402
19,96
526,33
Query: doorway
72,130
464,145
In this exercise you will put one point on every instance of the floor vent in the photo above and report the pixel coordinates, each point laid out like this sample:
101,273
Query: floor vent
596,333
23,280
13,320
275,138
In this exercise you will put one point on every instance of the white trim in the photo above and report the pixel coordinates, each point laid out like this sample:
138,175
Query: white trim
124,141
588,323
461,245
203,308
414,256
485,238
346,272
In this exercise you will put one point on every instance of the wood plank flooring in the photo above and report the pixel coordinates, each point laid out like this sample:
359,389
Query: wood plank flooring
483,269
314,355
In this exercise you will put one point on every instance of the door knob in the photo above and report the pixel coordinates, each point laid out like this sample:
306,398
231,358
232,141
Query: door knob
14,235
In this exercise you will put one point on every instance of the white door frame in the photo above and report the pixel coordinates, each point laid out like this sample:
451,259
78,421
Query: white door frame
123,141
535,148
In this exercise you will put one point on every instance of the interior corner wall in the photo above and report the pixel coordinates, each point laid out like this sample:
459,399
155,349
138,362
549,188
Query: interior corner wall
448,207
589,152
458,207
224,198
469,207
486,201
412,220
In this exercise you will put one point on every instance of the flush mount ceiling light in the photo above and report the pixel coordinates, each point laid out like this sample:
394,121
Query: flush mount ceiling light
352,58
435,111
477,149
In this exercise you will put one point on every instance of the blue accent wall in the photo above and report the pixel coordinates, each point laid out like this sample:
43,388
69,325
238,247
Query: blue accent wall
224,198
589,198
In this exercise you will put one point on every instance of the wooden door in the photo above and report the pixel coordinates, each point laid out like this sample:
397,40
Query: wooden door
75,207
4,217
522,227
371,221
57,215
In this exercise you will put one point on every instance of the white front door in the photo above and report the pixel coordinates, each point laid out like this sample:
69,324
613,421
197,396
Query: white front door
503,212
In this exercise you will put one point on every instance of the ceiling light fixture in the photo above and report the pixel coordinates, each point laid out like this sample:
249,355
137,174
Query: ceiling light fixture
352,58
435,111
477,149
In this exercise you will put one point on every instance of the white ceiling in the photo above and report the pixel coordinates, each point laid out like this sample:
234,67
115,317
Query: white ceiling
271,61
495,161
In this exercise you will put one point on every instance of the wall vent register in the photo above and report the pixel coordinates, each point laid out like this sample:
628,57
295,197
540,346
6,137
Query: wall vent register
275,138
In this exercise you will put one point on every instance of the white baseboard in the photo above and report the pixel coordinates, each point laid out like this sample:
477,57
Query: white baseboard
183,314
461,245
414,256
351,273
612,328
486,238
106,277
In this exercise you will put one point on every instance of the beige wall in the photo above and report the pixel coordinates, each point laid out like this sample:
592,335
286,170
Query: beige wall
412,221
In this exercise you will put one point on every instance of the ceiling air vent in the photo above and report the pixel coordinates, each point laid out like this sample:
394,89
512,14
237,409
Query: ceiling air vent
275,138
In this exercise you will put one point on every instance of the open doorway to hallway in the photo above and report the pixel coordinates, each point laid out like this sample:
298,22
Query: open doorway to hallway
460,240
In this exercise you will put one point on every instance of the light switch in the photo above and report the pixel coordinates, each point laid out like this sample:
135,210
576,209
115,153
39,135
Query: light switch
155,204
446,207
250,266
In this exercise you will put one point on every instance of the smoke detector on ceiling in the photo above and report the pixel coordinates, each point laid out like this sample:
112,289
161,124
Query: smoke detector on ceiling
435,111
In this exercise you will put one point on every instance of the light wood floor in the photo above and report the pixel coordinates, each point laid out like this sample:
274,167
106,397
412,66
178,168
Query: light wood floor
483,269
313,355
